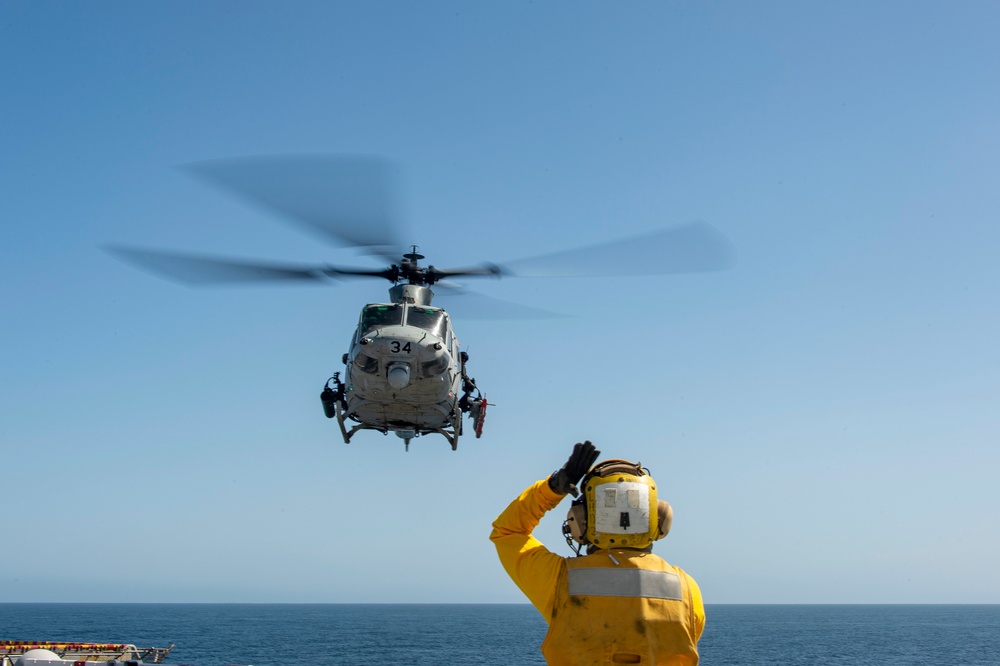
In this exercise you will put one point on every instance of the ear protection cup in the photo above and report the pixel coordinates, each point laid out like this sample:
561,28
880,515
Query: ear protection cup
665,516
576,523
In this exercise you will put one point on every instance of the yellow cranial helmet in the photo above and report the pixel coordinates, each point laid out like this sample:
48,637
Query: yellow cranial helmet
618,508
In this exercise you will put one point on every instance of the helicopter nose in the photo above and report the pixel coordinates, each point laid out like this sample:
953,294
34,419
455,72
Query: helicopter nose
398,375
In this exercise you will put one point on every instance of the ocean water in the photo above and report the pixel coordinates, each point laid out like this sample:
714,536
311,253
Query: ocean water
509,635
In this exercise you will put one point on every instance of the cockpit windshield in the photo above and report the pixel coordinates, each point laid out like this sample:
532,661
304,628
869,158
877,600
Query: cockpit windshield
427,319
376,316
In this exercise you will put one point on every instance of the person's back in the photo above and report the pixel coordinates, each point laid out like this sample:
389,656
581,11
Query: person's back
633,609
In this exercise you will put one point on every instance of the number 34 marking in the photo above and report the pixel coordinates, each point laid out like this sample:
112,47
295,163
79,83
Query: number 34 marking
396,347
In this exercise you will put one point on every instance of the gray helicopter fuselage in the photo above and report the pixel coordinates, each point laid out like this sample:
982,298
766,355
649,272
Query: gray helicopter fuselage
404,366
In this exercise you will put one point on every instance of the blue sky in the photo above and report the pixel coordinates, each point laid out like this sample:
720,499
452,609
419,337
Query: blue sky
822,416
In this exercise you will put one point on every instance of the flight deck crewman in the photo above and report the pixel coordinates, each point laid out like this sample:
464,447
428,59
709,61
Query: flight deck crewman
619,603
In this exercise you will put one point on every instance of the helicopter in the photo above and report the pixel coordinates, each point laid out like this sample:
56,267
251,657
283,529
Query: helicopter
404,371
405,367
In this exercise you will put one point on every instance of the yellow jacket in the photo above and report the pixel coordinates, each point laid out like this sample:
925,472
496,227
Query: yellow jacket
626,606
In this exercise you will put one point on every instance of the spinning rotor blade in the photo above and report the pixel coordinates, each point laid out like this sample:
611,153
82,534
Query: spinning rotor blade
687,248
486,270
346,200
473,305
202,270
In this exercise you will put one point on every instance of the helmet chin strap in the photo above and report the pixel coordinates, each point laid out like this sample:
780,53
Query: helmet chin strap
575,526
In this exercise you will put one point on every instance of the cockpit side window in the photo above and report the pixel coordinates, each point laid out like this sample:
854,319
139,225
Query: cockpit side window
428,319
376,316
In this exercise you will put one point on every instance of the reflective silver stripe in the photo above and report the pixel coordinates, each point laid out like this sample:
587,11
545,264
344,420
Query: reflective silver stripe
624,583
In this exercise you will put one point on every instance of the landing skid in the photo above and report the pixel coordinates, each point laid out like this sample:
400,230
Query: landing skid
451,434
